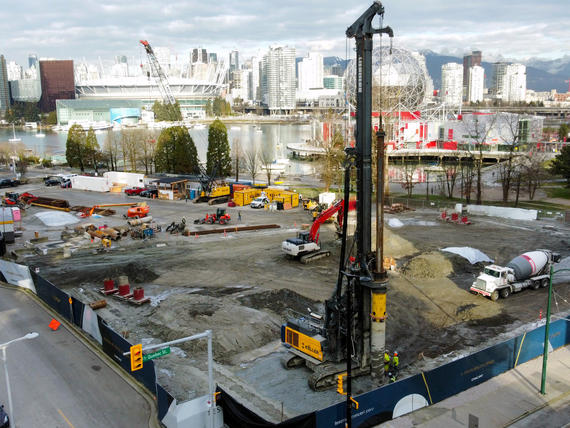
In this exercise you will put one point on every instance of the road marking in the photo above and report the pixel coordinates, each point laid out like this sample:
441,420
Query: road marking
66,420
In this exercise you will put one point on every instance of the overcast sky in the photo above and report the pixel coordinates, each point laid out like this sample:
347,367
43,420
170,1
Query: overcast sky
79,29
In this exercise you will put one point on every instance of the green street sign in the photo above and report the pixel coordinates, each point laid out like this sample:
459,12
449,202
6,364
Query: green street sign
160,353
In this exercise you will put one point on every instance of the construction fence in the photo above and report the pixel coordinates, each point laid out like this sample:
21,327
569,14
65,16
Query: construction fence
378,405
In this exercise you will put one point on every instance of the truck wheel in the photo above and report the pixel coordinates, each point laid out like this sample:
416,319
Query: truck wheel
535,285
495,295
544,283
505,292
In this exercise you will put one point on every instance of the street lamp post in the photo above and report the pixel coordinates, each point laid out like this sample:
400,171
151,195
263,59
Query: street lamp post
546,330
4,346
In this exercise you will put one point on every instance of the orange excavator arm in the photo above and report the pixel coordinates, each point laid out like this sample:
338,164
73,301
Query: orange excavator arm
328,213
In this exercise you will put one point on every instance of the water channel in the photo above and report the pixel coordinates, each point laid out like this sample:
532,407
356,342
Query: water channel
274,136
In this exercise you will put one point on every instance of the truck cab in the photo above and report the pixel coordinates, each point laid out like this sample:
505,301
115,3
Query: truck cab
493,279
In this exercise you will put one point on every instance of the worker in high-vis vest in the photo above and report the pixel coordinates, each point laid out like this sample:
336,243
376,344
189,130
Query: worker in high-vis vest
387,361
395,361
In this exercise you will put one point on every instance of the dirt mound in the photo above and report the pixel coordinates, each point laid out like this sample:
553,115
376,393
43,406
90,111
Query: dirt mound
279,301
428,266
236,328
394,245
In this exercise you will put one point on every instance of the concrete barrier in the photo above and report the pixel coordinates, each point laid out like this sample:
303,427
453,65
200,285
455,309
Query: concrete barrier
504,212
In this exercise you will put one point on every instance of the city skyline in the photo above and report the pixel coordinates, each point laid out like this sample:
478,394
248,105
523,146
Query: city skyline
516,31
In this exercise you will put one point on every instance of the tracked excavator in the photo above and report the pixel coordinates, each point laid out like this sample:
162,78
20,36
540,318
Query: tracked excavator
349,338
306,245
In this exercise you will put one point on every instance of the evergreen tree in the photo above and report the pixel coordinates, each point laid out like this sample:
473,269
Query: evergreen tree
167,112
92,149
176,152
75,147
219,149
209,108
561,164
221,107
51,118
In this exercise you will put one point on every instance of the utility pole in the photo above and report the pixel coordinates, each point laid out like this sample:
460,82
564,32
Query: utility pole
547,330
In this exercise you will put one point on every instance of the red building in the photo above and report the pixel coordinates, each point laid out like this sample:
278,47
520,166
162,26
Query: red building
58,83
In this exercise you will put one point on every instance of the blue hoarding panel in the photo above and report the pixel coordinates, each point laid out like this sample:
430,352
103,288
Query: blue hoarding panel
459,375
376,406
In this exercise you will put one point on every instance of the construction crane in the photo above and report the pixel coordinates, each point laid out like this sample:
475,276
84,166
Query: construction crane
350,337
306,244
157,70
210,190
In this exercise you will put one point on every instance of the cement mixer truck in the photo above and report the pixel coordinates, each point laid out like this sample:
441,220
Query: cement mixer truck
530,269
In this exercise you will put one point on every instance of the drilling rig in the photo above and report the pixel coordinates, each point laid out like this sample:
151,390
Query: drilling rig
350,337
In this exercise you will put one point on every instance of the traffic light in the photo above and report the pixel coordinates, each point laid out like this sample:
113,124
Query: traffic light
136,357
339,384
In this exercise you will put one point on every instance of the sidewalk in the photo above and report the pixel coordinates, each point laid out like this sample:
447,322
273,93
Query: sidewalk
510,399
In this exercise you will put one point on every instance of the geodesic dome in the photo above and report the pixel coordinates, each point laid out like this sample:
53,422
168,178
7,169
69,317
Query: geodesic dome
399,80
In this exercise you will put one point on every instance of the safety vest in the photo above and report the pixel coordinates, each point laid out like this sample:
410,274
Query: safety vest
386,358
396,361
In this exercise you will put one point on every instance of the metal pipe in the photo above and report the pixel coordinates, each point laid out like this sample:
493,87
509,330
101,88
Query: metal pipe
546,334
172,342
211,378
232,229
348,352
50,207
546,330
379,269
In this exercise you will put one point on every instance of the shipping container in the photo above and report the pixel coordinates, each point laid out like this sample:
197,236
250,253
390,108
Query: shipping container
244,197
237,187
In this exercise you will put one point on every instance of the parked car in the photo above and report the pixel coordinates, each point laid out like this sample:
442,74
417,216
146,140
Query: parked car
4,420
149,193
259,202
133,191
66,183
6,182
53,181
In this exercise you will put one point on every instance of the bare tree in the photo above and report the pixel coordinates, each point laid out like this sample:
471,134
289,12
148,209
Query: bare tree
533,172
252,162
237,155
130,147
467,176
408,169
333,143
511,135
266,159
148,149
333,158
478,130
111,149
450,176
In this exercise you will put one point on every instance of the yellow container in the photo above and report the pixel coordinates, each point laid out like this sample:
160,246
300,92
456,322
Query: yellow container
244,197
290,198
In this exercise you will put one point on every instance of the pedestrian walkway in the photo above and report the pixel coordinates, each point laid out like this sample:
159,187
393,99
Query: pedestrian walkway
512,399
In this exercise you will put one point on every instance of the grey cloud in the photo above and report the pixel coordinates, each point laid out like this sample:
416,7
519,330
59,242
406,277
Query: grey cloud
88,29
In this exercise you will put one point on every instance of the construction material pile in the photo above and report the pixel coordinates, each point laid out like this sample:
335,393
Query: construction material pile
428,266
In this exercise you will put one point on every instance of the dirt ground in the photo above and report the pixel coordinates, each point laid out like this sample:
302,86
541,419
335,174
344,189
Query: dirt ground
242,287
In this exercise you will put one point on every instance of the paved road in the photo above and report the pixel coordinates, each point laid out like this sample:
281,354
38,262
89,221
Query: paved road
56,380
